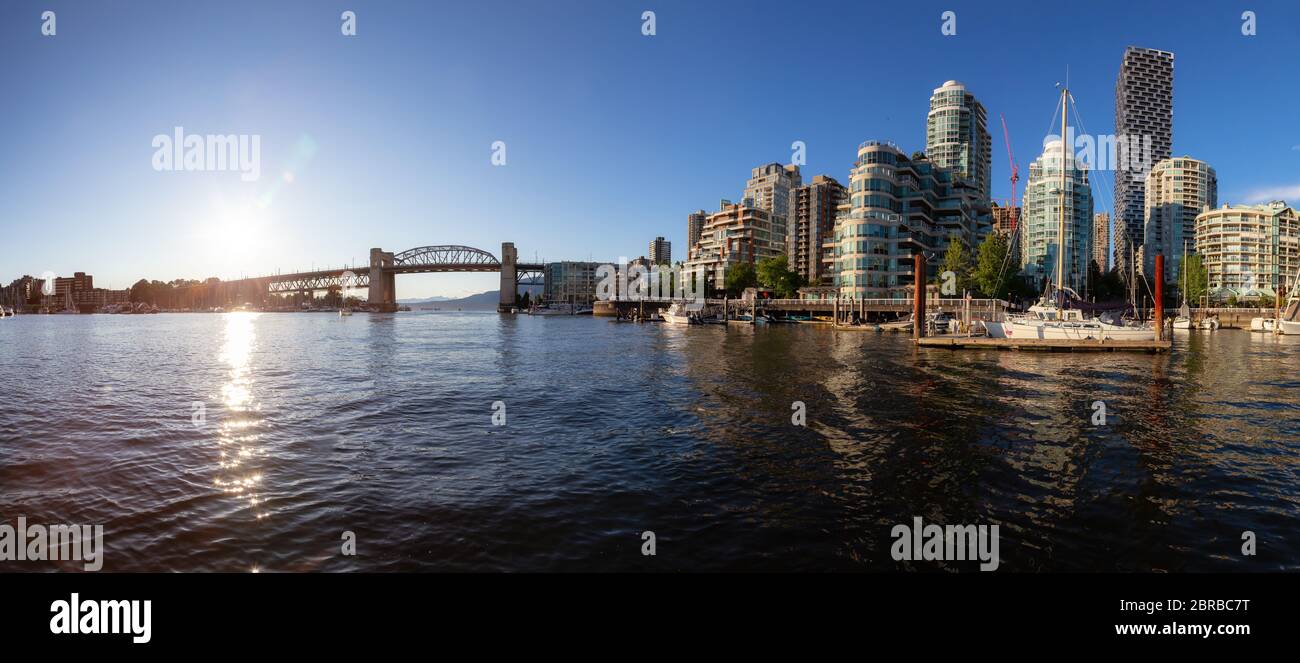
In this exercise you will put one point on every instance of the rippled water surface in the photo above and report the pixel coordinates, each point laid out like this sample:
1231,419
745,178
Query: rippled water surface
243,441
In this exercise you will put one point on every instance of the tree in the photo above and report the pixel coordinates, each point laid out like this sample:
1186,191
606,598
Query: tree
993,272
740,276
1109,287
1196,276
140,291
958,261
775,273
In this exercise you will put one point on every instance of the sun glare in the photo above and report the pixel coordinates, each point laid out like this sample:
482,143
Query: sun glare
237,231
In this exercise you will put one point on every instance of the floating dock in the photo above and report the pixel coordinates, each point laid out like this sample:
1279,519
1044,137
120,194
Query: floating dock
1043,344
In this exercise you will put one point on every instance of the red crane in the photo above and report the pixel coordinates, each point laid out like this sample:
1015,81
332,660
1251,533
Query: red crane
1015,173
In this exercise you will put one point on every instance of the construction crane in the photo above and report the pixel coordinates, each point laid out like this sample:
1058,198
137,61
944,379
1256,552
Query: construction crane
1015,174
1012,210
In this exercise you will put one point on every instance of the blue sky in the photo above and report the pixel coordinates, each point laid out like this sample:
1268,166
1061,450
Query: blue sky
612,137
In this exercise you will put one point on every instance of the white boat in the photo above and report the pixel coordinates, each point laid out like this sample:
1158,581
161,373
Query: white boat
678,315
344,312
935,322
904,325
1289,324
1209,324
1262,324
1182,323
941,323
1047,320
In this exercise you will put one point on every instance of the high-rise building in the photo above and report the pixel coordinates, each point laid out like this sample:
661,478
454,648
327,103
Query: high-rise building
694,224
661,251
1040,231
1249,250
1177,190
734,234
896,208
957,134
1101,241
1144,114
771,187
1124,251
816,205
1006,222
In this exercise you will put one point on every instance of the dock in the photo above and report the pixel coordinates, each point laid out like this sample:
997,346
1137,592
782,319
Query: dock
1043,344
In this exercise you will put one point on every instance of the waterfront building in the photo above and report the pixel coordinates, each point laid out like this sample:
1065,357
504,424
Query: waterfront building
735,233
898,207
21,291
1006,222
661,251
1101,241
772,187
66,287
957,134
694,225
1249,250
816,205
1177,190
1144,110
570,282
90,301
1040,229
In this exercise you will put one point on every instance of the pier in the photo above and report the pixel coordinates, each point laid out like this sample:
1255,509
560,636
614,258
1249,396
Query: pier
1043,344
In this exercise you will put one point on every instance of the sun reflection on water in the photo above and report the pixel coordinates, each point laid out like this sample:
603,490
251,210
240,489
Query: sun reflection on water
238,437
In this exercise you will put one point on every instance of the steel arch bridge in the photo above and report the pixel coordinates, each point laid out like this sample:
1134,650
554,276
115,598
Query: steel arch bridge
378,276
445,258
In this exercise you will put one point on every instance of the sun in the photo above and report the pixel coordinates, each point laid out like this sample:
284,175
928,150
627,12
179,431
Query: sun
237,231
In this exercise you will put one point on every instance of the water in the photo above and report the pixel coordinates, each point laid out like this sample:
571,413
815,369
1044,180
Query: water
313,425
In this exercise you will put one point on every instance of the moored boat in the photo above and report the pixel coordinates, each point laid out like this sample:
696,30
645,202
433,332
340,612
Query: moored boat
1289,323
1059,314
678,315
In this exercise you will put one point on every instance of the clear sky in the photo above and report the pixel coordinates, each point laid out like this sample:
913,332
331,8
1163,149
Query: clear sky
612,137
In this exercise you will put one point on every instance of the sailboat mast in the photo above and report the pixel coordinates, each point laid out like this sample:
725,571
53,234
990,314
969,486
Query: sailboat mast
1060,230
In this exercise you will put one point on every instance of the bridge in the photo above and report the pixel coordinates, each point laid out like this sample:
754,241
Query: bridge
380,276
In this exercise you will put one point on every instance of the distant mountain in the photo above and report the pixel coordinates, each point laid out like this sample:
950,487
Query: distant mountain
484,301
422,301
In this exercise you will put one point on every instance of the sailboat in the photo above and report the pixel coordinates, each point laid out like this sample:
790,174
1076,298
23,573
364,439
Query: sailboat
1051,318
1184,319
1289,323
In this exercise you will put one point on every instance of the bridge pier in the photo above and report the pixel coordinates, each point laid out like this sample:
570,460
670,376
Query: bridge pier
509,277
383,285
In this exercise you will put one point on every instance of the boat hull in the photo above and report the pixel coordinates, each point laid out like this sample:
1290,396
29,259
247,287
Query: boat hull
1261,324
1077,331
